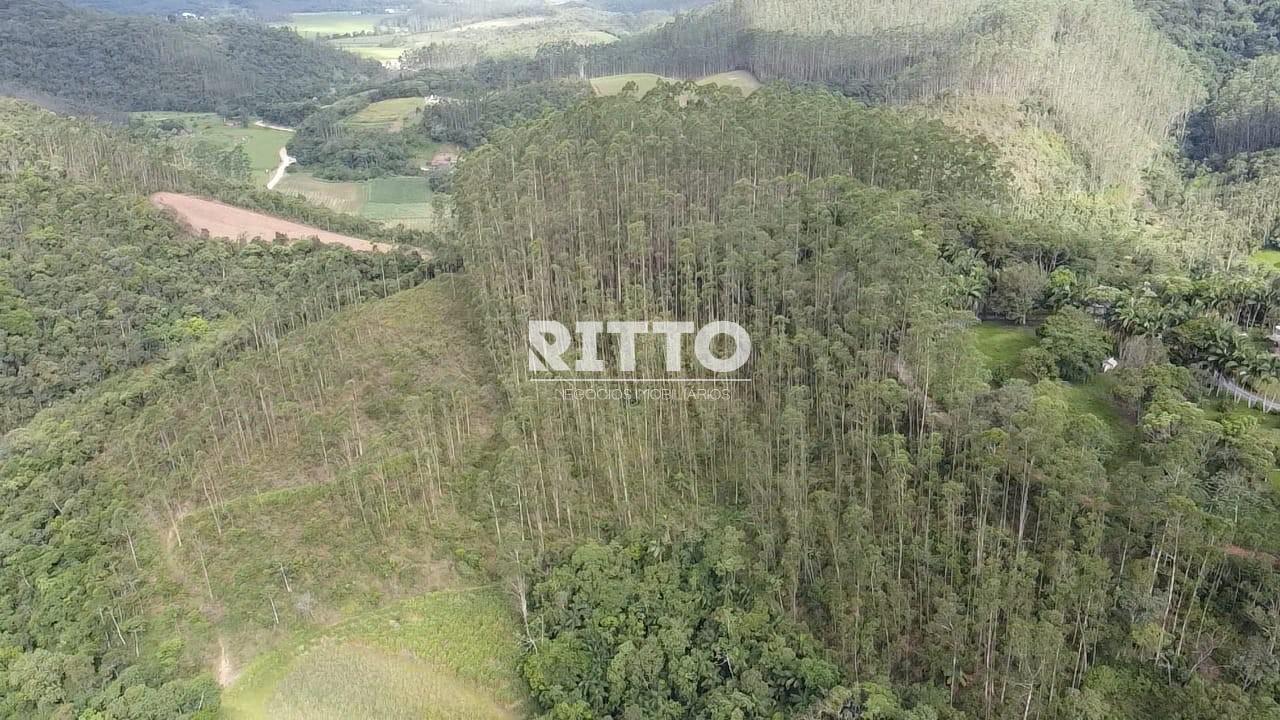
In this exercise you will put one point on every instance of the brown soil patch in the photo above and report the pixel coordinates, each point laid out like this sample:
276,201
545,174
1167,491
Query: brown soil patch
227,221
1236,551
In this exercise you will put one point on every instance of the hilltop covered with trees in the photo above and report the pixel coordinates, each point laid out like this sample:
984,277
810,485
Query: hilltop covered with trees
975,540
137,63
883,523
1033,52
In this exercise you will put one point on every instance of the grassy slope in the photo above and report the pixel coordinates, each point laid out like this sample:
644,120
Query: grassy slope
390,115
329,479
440,656
1267,257
311,24
1002,343
261,144
741,79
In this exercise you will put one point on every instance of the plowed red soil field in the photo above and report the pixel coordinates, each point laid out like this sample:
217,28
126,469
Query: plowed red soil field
227,221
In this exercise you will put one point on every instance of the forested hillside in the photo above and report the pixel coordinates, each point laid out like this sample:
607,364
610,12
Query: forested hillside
1230,142
986,460
106,305
975,539
75,196
1221,34
264,9
137,63
1139,86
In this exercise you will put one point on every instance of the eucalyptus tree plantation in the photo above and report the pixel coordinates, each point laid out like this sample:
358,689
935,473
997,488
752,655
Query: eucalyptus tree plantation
931,527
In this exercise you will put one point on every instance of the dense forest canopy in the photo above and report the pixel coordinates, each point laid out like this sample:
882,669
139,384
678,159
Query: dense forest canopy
264,9
1223,33
94,284
969,535
469,120
71,191
136,63
1140,86
892,519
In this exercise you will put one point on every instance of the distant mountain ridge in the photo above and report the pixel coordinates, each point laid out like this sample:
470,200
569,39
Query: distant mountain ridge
137,63
1097,71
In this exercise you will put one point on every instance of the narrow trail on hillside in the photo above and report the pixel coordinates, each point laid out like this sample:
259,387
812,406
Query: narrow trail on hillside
226,672
285,161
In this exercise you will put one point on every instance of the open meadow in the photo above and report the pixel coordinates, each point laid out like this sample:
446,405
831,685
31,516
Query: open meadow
389,115
1267,257
446,655
261,144
321,24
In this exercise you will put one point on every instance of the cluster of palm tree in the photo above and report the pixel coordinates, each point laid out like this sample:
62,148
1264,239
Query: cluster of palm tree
1205,321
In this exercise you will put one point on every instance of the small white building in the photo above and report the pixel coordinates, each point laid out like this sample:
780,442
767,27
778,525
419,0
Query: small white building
1275,340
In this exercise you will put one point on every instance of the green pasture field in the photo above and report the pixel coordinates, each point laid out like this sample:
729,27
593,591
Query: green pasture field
261,144
313,24
1267,257
392,200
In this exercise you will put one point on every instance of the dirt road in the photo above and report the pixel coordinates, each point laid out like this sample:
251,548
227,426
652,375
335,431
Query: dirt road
285,161
1252,399
227,221
269,126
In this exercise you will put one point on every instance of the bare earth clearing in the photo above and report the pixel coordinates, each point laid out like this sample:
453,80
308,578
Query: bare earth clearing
230,222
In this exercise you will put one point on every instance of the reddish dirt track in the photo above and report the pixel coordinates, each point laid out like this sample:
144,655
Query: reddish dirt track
227,221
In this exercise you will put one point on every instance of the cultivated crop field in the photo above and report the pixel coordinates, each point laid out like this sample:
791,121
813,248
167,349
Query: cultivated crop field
383,48
399,200
521,35
393,200
228,222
